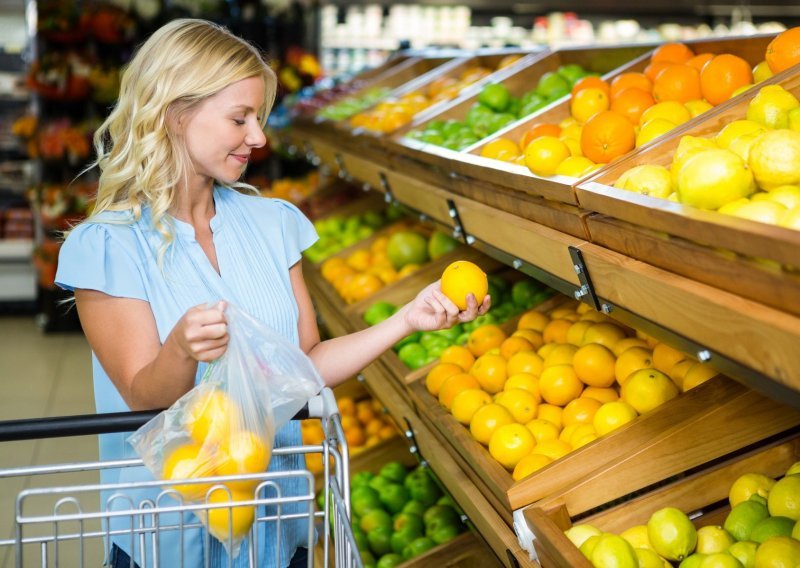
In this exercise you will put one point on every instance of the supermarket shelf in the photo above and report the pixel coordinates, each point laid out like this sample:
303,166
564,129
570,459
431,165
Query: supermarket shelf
16,250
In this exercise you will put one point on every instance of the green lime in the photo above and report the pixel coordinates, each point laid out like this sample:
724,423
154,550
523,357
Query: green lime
380,540
671,533
551,84
418,546
572,72
414,507
771,527
743,517
413,338
478,112
408,522
424,490
366,557
361,479
744,552
495,96
796,531
429,340
394,497
413,355
394,471
378,312
360,537
693,561
390,560
445,533
374,519
440,244
523,293
401,539
364,499
440,515
378,483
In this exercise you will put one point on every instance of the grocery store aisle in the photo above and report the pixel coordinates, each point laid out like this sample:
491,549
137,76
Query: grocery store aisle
42,375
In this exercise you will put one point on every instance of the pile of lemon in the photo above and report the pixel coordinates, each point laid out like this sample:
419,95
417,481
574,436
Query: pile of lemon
560,380
219,445
762,530
749,169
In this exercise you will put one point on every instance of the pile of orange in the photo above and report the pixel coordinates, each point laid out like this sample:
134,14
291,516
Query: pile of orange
392,114
558,382
364,423
609,119
364,271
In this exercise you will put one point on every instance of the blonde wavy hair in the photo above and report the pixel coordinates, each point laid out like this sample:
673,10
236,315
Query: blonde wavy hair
141,161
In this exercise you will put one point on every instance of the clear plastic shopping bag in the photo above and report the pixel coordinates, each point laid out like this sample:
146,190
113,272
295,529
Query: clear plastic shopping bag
226,425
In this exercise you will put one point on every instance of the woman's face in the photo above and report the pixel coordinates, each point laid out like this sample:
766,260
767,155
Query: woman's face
222,131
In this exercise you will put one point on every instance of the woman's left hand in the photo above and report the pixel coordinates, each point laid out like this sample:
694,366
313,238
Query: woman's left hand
431,310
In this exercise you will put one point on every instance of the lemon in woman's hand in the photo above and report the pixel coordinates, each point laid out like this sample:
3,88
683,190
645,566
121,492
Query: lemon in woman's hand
462,278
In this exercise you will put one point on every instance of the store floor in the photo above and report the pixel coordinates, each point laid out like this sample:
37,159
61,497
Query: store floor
43,375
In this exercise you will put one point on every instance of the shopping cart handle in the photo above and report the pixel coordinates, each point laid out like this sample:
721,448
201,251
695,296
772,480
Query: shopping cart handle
85,424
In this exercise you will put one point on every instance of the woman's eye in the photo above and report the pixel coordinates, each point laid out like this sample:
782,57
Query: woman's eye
238,121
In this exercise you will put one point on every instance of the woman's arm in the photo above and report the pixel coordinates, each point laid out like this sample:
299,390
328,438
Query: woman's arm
340,358
122,333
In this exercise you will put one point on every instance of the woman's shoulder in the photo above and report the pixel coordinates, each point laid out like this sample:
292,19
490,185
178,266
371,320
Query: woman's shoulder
258,204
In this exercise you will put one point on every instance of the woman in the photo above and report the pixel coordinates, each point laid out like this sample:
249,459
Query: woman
170,235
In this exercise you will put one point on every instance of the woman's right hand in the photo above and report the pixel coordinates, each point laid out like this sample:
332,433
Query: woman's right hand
202,332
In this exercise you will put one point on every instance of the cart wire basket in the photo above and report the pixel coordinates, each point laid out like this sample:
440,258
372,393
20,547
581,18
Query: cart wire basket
76,514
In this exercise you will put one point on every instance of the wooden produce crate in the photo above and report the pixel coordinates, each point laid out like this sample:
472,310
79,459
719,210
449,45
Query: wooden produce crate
688,241
561,188
597,59
703,496
708,421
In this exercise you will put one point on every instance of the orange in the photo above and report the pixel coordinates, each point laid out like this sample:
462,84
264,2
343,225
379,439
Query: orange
490,372
564,313
349,421
580,441
696,375
347,406
677,83
525,362
243,452
560,354
458,355
632,102
500,149
559,385
601,394
362,286
467,402
537,131
543,430
364,411
313,434
520,403
698,61
647,389
546,349
631,361
552,414
211,417
594,365
588,102
553,449
580,431
439,374
665,357
580,411
533,337
225,523
623,345
672,53
462,278
576,331
486,420
510,443
534,320
373,427
655,68
679,370
722,76
387,432
331,268
556,331
529,464
784,51
485,338
355,436
379,245
514,345
613,415
190,461
607,334
543,155
629,80
454,385
607,136
591,82
524,381
359,260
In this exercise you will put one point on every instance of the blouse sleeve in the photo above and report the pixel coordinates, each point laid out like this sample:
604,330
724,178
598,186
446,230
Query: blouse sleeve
92,258
298,232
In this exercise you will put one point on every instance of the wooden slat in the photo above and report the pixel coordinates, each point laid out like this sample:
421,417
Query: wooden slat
554,548
754,335
423,196
747,278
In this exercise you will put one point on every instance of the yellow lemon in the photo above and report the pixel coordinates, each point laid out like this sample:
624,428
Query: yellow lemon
613,415
771,107
775,159
530,464
574,166
698,107
486,420
510,443
653,129
553,449
761,72
710,179
520,403
467,402
734,129
647,179
543,430
671,111
544,154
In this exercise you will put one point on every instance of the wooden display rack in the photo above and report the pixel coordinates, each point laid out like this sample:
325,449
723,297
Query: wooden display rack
693,234
705,491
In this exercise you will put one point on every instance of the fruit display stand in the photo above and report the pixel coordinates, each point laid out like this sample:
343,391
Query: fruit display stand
698,243
700,492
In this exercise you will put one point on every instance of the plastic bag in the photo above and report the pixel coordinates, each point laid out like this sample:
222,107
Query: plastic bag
226,425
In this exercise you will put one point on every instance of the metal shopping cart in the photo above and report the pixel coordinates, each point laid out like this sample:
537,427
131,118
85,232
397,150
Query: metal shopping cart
77,515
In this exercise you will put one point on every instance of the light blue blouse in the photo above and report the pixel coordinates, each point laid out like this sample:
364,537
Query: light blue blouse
257,240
